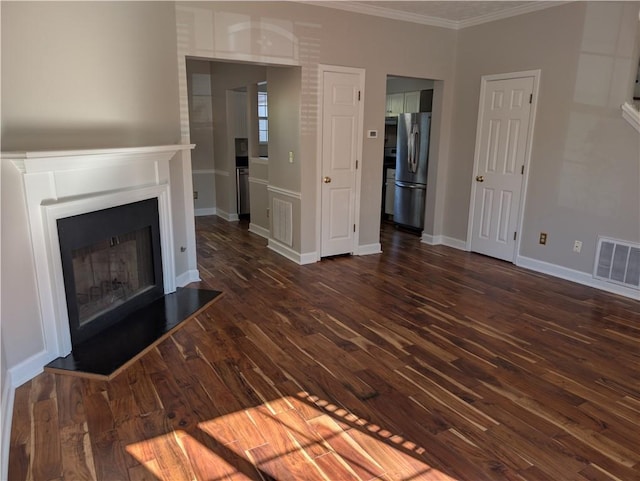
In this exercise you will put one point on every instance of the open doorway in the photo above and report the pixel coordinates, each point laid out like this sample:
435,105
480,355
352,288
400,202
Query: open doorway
406,152
223,124
240,115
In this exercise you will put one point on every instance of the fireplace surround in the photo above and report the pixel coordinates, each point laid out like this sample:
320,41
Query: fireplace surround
64,184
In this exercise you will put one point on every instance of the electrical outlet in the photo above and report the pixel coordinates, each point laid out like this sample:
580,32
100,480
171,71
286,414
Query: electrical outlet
195,194
267,212
543,238
577,246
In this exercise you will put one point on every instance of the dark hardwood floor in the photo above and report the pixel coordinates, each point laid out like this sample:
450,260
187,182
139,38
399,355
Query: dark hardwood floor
420,363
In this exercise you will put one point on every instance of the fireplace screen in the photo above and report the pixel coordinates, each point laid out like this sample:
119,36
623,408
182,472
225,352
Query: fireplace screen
111,263
110,272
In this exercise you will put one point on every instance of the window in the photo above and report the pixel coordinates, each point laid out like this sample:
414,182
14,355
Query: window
263,121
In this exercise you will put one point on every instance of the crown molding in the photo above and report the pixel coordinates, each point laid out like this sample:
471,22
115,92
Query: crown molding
385,13
368,9
510,12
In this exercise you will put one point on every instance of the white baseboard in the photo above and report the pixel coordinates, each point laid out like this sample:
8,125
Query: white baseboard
579,277
205,211
227,216
369,249
289,253
434,240
261,231
308,258
29,368
187,278
554,270
8,393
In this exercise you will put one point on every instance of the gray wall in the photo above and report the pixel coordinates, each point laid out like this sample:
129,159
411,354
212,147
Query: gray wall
284,86
201,130
307,36
77,75
584,171
88,74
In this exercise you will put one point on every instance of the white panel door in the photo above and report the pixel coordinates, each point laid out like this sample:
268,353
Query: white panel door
340,127
503,124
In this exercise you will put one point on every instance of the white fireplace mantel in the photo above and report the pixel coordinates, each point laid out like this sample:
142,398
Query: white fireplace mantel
59,184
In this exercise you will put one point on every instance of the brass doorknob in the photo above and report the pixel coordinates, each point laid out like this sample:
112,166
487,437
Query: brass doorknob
326,180
479,178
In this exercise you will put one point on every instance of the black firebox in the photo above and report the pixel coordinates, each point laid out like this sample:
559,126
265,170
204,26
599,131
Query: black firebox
112,265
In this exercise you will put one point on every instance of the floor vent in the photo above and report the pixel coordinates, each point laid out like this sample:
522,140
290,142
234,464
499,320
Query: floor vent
283,221
618,262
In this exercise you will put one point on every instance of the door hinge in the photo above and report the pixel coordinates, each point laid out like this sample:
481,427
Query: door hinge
358,95
530,98
356,164
354,227
515,234
522,170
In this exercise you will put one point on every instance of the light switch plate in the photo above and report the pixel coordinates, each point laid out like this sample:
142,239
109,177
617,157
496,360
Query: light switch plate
372,134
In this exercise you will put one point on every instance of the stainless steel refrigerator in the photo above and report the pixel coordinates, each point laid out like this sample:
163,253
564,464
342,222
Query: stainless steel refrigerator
412,159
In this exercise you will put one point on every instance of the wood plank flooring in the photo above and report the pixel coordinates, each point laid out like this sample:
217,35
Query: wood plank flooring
420,363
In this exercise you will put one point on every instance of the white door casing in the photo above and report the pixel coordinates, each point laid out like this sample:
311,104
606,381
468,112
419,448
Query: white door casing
501,164
341,145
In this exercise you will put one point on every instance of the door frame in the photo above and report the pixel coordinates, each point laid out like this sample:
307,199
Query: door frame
322,68
485,79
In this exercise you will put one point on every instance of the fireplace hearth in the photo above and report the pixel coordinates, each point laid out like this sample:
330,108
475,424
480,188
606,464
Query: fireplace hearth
105,355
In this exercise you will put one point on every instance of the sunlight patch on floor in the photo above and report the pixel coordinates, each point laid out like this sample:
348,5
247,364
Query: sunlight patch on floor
284,439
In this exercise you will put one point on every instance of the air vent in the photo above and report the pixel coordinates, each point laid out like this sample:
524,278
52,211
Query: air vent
283,221
618,262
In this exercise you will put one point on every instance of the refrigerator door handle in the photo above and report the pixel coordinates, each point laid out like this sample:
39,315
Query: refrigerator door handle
410,161
414,145
409,185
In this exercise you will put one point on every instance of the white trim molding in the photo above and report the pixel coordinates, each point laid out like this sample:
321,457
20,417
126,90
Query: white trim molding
368,249
8,396
435,240
258,180
289,253
631,114
187,278
259,230
286,192
204,211
405,16
229,217
507,13
30,367
203,172
221,173
259,160
573,275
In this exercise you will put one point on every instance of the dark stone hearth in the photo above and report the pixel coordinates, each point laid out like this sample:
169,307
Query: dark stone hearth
104,353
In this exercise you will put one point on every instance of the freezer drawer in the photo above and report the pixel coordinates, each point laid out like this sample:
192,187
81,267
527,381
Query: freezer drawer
409,204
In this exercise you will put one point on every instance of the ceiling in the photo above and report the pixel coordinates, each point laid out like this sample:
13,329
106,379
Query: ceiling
448,14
